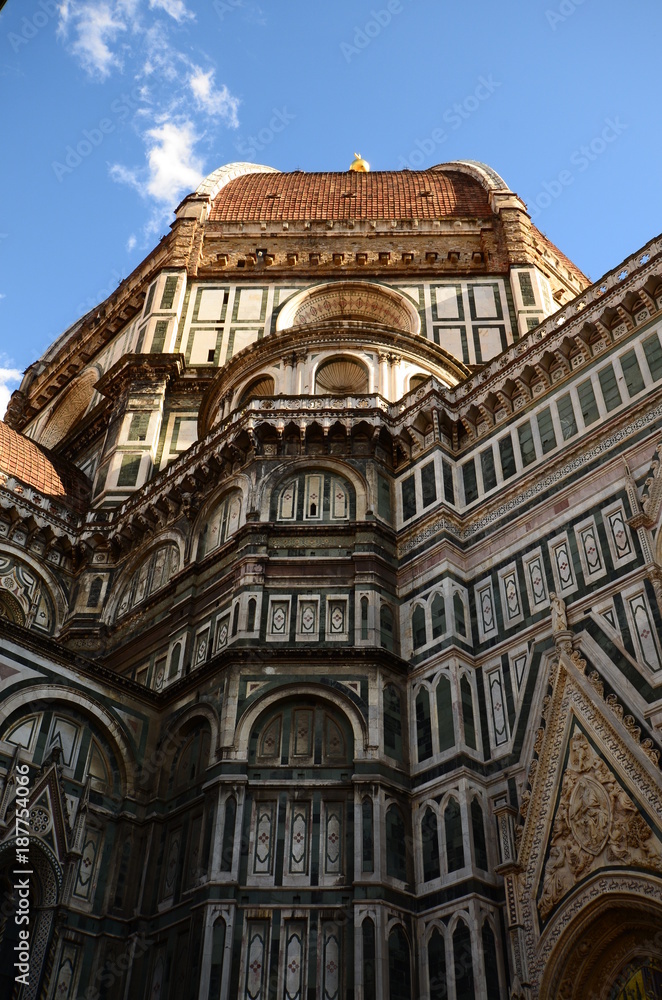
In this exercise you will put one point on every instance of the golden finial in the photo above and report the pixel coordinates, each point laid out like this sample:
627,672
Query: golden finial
361,165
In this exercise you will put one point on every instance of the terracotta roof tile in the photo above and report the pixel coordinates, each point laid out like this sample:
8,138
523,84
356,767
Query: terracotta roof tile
26,461
567,263
397,194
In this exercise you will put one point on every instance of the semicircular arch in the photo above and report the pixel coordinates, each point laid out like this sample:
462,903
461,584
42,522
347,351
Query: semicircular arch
343,300
286,692
133,564
240,484
620,919
51,696
69,409
54,588
297,464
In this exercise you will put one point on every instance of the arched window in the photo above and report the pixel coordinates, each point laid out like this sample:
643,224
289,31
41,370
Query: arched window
453,831
418,627
217,950
250,617
221,524
438,616
364,618
399,972
235,619
468,712
95,592
463,962
386,630
175,659
458,613
369,960
445,714
155,571
228,834
396,844
491,963
368,852
478,832
423,725
437,967
430,844
392,722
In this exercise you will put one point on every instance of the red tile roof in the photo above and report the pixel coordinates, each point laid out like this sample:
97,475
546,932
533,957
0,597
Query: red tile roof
34,466
567,263
397,194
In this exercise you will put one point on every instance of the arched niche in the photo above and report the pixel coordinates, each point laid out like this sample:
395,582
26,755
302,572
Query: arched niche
301,732
69,409
93,719
350,300
335,701
86,751
315,496
262,385
341,376
270,484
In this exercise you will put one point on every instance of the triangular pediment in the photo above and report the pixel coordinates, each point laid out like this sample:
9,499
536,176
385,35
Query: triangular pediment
597,825
593,810
48,815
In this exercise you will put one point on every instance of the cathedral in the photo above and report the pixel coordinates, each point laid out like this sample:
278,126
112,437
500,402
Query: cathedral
330,610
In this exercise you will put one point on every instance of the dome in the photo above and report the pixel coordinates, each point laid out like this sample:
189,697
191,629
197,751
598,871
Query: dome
379,194
24,460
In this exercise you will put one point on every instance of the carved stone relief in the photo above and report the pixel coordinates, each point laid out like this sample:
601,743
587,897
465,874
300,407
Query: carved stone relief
597,825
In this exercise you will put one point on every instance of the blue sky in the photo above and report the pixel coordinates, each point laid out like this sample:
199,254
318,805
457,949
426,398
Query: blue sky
113,110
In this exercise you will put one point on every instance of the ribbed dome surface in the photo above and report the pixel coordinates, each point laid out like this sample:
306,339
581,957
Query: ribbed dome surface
396,194
23,459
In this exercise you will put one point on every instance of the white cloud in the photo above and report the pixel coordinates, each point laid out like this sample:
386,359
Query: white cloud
8,376
96,25
182,103
177,9
218,103
173,168
160,56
